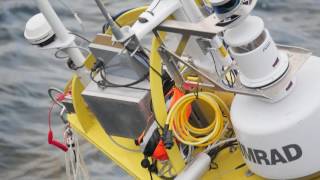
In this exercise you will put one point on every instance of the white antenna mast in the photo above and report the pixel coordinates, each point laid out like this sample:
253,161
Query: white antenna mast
65,38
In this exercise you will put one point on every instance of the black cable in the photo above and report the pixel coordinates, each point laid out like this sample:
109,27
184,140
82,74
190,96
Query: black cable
240,166
144,58
72,66
230,82
101,69
80,36
150,175
215,65
70,63
111,84
159,125
75,156
153,8
154,70
214,152
53,98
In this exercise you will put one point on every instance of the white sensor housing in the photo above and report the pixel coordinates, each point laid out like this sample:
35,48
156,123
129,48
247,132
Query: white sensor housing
259,60
232,12
38,30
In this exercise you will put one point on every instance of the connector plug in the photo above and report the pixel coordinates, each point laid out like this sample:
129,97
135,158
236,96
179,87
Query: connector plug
167,137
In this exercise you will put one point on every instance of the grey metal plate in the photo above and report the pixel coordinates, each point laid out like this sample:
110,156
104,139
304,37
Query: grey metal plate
121,112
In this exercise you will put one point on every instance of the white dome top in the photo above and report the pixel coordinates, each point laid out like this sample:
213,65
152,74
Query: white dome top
38,29
244,33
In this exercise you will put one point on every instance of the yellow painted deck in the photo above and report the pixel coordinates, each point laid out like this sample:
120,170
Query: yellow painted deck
130,161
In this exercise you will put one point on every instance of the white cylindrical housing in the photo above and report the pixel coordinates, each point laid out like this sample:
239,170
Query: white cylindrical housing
255,52
198,167
279,140
38,30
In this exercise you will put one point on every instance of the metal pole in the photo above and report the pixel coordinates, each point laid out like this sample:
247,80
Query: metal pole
63,35
116,31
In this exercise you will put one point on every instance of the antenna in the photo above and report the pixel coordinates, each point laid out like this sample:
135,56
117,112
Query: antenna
116,30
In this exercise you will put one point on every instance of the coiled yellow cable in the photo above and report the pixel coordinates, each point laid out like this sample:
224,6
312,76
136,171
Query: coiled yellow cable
178,120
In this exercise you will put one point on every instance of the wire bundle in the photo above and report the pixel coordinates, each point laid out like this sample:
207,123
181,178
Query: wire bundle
75,166
186,133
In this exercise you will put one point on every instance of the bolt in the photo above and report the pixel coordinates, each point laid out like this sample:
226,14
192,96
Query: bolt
249,173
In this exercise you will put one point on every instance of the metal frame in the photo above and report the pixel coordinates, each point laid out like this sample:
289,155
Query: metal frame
297,57
206,28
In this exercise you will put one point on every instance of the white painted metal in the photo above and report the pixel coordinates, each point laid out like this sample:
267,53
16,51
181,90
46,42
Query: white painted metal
157,12
191,10
293,120
244,33
64,36
196,169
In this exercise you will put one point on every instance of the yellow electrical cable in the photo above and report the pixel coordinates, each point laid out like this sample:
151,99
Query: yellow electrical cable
178,120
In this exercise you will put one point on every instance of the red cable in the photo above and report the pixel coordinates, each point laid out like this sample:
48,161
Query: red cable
52,141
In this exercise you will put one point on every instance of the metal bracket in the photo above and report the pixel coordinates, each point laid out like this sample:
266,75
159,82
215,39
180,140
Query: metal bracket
297,57
206,28
171,66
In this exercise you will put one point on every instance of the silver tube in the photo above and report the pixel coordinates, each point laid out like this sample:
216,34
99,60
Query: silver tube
116,31
198,167
63,35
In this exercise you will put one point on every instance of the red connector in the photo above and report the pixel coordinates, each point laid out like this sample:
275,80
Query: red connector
52,141
56,143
